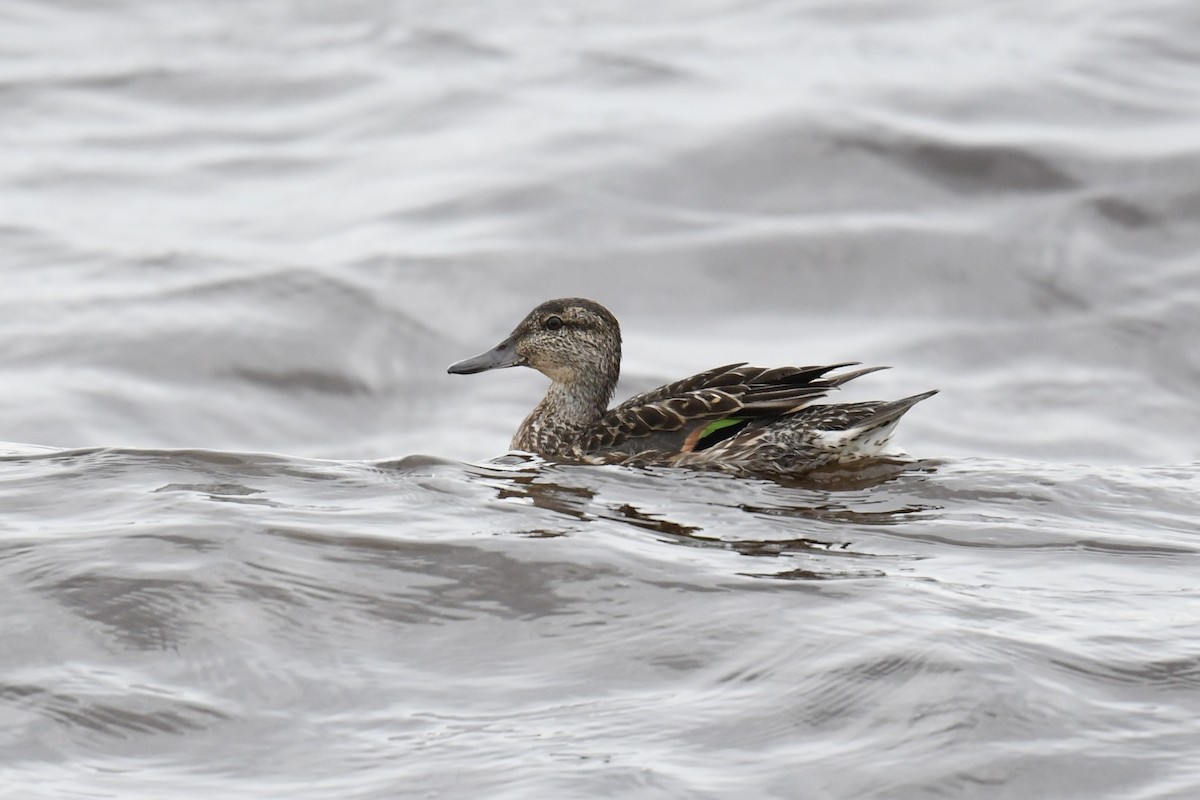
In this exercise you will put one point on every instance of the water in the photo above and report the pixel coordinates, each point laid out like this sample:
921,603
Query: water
255,547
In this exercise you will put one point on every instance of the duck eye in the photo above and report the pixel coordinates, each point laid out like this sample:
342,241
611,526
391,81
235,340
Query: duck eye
552,323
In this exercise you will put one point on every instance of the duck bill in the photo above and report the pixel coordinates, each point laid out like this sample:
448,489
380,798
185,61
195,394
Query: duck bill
502,355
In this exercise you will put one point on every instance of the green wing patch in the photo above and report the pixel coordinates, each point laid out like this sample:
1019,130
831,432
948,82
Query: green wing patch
720,430
717,425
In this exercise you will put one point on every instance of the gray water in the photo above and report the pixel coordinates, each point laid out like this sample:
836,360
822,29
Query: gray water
253,541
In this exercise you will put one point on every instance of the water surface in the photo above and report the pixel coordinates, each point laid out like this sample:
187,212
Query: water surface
256,547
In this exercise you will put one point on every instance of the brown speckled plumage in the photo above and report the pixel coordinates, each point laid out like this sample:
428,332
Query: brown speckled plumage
735,418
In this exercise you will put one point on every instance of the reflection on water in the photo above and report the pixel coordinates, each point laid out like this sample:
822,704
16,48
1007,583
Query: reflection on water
696,509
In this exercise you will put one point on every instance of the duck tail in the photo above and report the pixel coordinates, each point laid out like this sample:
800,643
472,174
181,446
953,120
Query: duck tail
893,411
864,430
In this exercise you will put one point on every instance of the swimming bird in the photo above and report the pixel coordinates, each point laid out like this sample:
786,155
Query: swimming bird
735,418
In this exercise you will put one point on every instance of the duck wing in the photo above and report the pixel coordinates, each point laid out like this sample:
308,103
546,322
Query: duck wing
680,416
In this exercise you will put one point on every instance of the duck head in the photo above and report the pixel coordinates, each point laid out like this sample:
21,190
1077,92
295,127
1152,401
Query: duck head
571,341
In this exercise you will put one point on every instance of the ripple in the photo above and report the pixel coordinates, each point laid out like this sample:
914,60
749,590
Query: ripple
131,712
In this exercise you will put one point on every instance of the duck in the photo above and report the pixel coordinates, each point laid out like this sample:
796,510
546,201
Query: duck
734,418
